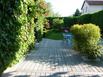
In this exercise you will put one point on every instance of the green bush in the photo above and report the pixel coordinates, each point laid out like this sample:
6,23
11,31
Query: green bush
69,21
84,19
51,34
46,24
86,39
57,24
16,30
50,21
97,18
40,11
39,28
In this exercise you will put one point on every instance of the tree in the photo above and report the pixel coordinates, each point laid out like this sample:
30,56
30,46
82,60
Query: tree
57,23
77,13
49,11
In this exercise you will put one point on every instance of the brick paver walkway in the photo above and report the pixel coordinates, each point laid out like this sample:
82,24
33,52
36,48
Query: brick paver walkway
54,59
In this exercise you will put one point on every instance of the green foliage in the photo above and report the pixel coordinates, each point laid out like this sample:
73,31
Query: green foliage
39,28
41,10
97,18
84,19
57,24
77,13
69,21
52,34
86,39
46,24
50,20
16,30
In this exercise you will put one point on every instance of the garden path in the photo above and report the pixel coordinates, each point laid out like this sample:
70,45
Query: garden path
52,58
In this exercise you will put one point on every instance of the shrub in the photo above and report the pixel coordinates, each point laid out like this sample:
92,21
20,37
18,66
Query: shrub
57,23
86,39
50,21
39,28
84,19
16,30
46,24
69,21
97,18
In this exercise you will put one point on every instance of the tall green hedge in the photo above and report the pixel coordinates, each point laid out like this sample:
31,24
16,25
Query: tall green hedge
50,20
95,18
69,21
40,12
39,25
84,19
16,30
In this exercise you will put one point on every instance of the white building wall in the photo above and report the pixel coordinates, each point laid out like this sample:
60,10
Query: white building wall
95,8
85,8
91,8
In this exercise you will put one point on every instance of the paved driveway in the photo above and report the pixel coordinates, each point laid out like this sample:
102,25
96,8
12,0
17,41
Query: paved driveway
53,58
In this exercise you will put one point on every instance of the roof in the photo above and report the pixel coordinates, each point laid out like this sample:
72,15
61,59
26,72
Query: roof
93,2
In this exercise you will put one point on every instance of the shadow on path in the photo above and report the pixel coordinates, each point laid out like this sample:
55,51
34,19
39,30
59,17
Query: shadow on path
55,53
61,59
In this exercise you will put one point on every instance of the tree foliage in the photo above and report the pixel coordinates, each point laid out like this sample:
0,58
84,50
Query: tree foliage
16,30
77,13
17,26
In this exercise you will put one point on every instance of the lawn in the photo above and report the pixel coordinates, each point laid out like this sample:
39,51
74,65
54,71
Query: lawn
51,34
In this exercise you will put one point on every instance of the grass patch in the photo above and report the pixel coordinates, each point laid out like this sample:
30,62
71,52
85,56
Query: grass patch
51,34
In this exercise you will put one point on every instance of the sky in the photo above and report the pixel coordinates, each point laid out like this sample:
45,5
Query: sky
65,7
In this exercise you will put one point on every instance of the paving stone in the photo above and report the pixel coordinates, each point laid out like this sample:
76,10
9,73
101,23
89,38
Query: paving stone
54,59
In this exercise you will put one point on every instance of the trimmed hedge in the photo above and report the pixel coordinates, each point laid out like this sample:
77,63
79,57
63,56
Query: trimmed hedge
69,21
84,19
95,18
16,30
86,39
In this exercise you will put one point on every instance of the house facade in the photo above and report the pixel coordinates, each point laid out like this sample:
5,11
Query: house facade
91,6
